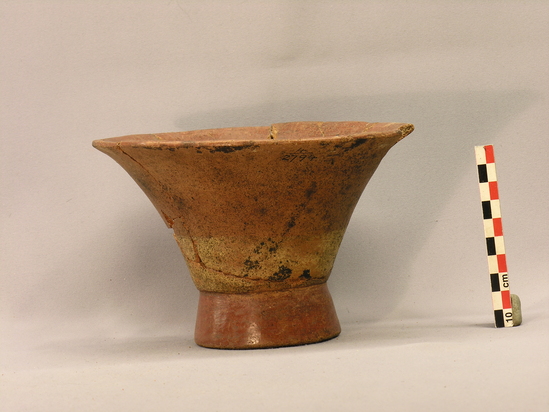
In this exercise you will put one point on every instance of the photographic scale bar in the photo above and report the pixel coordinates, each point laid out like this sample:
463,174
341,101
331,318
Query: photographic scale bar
507,311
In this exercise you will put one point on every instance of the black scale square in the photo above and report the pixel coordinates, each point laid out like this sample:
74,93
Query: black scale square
486,209
482,174
498,314
491,246
494,279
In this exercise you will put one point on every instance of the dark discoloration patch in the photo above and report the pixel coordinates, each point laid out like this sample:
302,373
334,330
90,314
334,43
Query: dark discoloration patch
358,142
251,264
229,149
352,144
179,201
269,246
257,250
311,190
291,223
261,253
306,274
280,275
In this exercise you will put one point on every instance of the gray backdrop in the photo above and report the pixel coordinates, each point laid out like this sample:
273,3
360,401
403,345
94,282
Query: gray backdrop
97,308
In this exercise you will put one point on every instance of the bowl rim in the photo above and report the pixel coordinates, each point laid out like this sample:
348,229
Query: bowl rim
277,133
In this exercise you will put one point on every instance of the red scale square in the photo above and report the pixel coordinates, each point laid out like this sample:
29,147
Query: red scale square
498,228
506,299
502,264
489,150
494,194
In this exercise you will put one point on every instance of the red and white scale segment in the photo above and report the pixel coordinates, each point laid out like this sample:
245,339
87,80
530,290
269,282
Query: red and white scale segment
493,231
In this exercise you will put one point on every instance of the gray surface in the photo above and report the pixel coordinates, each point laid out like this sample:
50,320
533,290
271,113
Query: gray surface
97,308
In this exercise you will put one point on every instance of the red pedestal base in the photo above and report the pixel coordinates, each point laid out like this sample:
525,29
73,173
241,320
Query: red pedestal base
266,320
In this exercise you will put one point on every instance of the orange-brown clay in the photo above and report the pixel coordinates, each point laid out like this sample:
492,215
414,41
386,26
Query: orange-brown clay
259,214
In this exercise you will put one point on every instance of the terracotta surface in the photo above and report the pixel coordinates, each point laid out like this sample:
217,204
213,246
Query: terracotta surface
259,214
268,319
